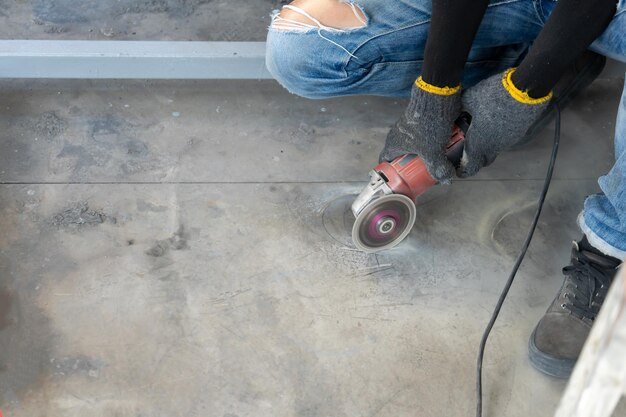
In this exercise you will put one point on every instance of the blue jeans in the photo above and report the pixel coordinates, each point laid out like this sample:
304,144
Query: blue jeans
384,57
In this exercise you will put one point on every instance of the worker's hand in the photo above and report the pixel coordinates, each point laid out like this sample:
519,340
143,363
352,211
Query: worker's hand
425,128
501,115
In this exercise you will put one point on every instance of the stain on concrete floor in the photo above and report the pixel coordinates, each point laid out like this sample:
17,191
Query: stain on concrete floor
208,281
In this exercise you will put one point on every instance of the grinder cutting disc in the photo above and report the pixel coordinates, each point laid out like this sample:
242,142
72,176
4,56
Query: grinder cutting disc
383,223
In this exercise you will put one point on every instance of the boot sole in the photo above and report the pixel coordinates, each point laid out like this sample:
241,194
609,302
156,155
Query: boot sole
548,364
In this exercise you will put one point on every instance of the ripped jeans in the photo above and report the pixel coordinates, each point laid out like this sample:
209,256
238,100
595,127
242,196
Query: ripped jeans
384,55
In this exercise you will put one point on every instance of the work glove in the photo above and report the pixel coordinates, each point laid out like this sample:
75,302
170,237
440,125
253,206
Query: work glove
501,115
425,128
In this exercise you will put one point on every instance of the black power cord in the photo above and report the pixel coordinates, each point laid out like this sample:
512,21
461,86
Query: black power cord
518,262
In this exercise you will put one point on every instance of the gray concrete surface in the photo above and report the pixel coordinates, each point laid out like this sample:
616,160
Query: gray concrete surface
180,249
178,20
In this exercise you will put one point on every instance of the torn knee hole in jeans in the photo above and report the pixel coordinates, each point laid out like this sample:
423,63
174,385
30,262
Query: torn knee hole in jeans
339,16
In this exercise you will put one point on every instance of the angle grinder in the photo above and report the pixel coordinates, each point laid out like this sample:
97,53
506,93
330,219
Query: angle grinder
385,210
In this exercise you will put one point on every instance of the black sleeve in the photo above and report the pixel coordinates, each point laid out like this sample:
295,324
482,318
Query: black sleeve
452,30
570,29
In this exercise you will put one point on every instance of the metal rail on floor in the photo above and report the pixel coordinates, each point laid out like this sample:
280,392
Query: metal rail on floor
146,60
132,59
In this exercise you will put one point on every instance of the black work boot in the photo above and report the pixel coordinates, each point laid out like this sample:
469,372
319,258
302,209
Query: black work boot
578,76
560,335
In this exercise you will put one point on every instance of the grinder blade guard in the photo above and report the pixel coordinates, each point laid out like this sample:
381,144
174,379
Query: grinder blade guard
385,210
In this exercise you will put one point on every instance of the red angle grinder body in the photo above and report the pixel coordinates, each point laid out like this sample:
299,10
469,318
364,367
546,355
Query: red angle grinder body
385,209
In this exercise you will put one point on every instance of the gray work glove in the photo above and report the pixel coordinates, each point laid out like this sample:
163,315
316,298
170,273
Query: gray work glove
425,129
501,115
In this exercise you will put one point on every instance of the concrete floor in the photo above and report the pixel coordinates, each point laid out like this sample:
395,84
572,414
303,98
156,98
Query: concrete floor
179,249
176,20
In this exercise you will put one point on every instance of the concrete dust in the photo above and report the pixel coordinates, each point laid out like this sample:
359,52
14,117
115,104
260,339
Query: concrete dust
77,364
338,219
79,215
49,125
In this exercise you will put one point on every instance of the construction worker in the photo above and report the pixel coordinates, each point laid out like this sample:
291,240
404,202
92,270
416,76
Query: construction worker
475,56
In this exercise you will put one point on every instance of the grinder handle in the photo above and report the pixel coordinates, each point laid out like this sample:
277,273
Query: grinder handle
454,153
408,175
454,150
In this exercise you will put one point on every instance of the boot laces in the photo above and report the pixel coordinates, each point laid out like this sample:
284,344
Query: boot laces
587,286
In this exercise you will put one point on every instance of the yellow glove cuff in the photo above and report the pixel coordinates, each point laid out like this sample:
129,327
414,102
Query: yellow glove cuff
519,95
440,91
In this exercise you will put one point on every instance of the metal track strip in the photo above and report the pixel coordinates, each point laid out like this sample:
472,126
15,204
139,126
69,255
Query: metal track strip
132,59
